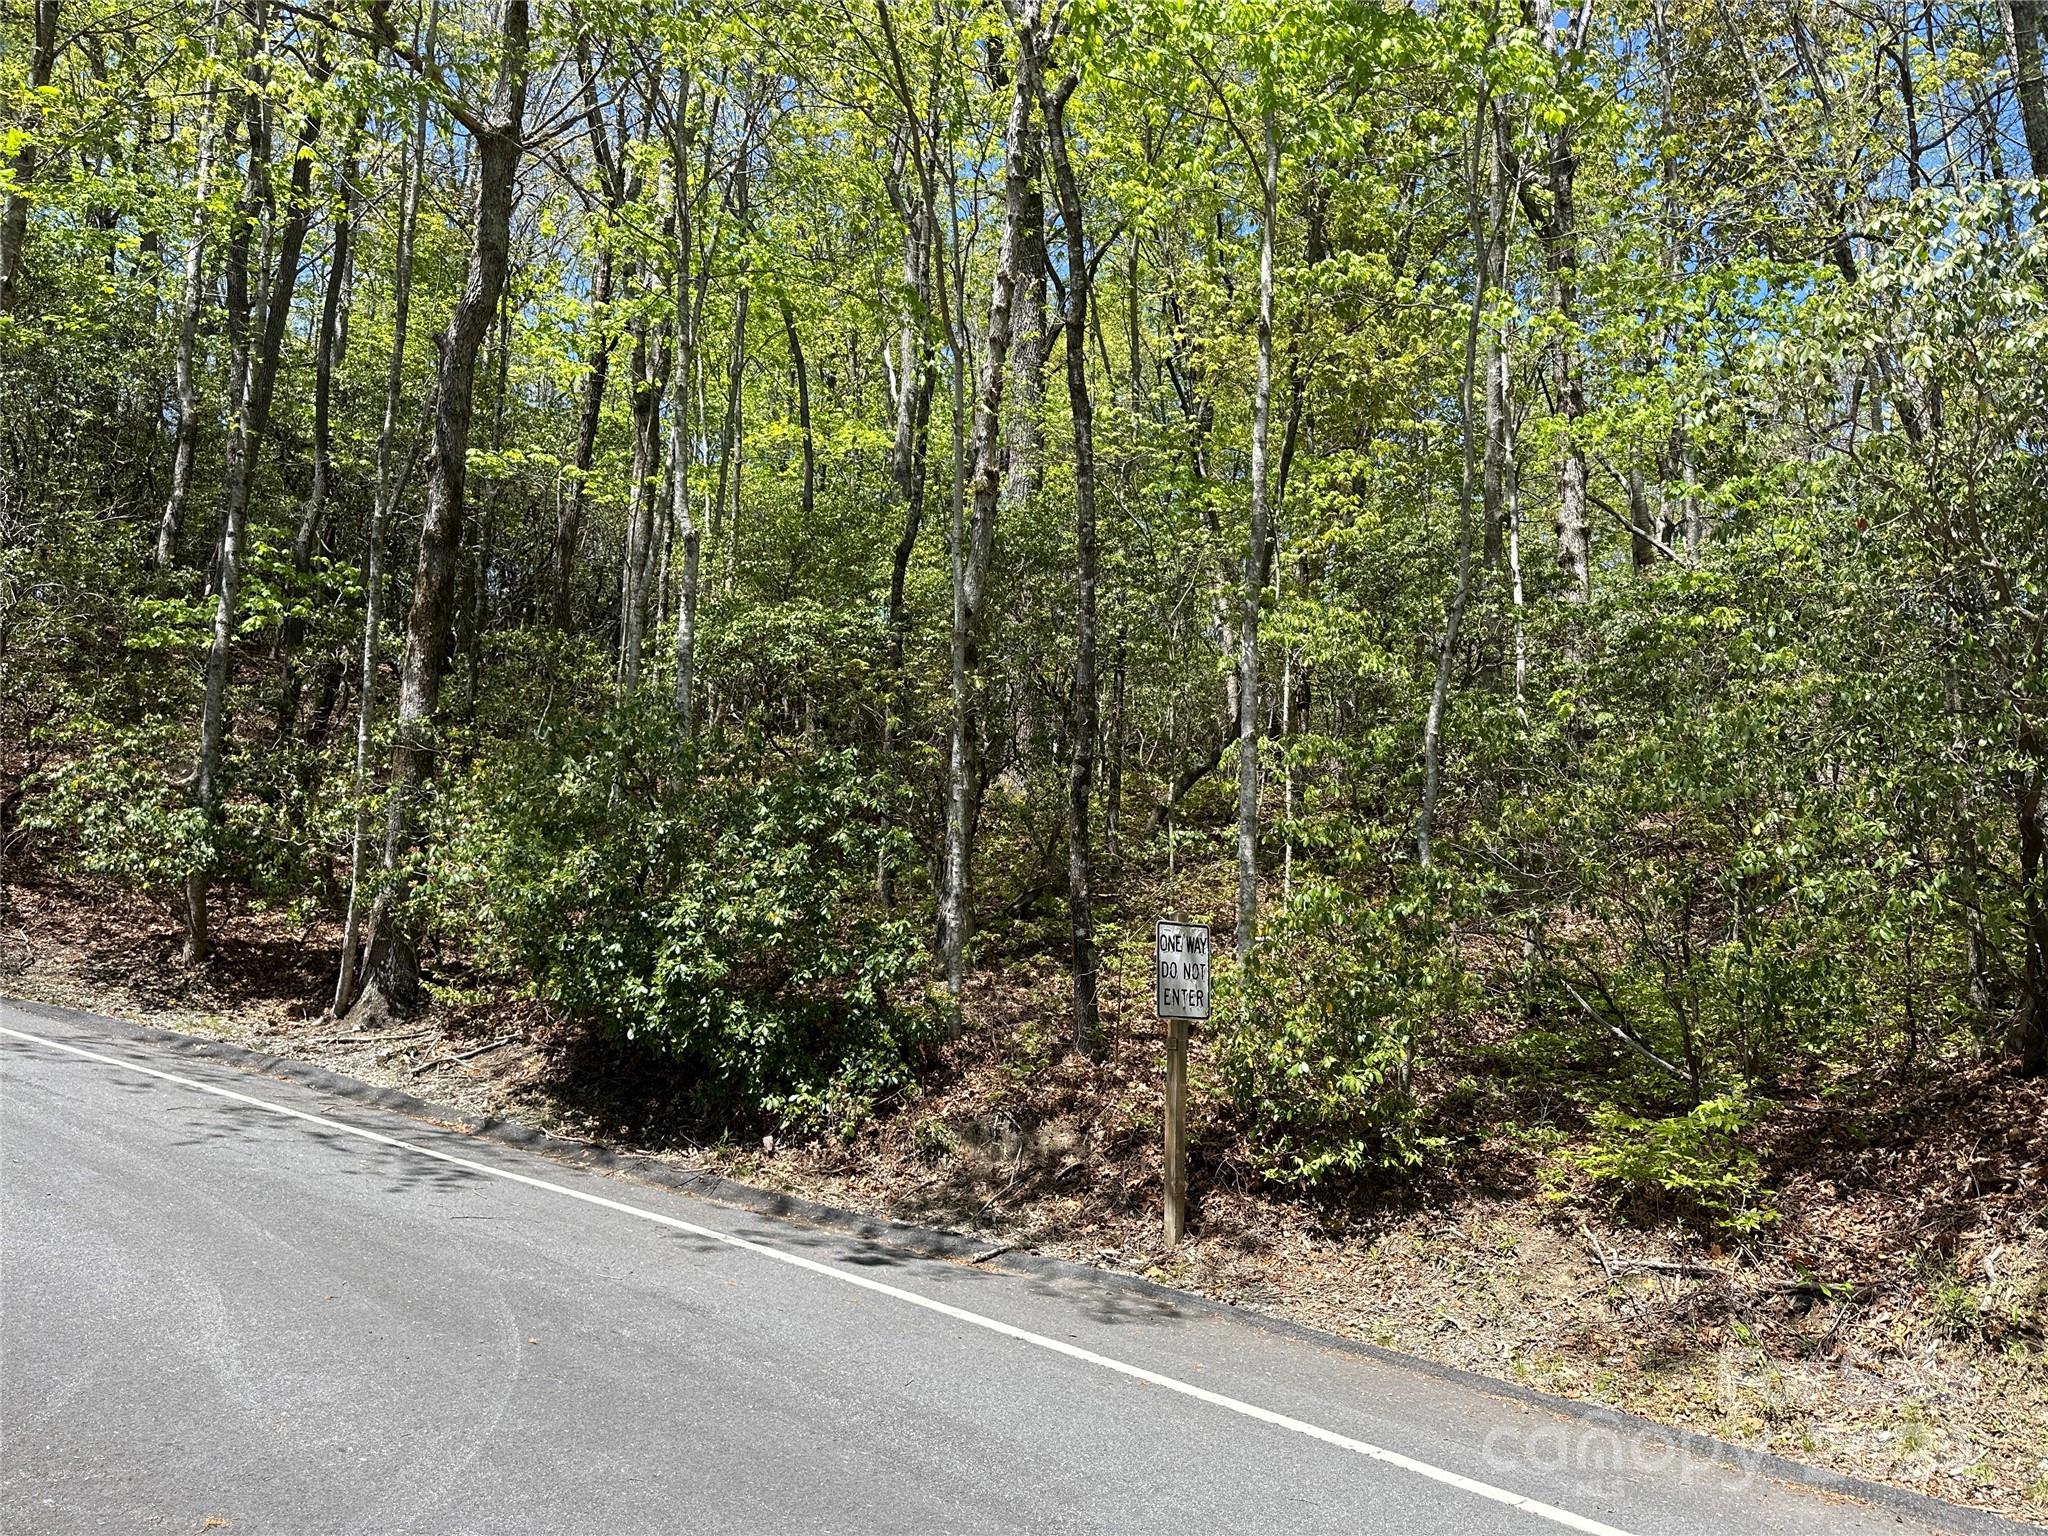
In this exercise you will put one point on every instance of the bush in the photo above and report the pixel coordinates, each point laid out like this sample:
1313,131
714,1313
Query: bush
1695,1161
117,810
1319,1050
118,805
718,908
1741,852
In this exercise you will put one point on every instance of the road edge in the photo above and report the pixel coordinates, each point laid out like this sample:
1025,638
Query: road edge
932,1243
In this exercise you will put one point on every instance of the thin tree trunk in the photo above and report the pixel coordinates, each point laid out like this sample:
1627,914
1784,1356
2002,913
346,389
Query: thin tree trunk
914,346
569,525
191,300
1693,524
42,64
1254,560
1178,787
2031,809
647,375
1556,221
1511,485
474,615
330,349
383,500
1081,770
1198,412
497,137
650,369
1286,725
1492,465
1486,220
1113,791
801,368
732,435
618,186
1574,527
909,454
973,545
732,429
234,498
2022,23
686,530
257,322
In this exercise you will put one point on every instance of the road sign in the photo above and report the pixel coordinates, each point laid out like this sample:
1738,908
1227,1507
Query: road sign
1181,971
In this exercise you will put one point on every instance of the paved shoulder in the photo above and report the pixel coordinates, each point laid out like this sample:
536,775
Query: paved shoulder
225,1297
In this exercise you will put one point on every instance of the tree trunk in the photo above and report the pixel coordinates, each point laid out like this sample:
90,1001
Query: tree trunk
1556,222
1485,221
384,498
497,136
1254,560
1494,461
475,616
650,370
1177,788
686,528
909,457
569,525
725,516
1081,769
330,349
1026,469
2032,813
1574,528
1511,493
2022,22
227,553
973,545
1113,790
617,187
42,64
1642,537
257,320
191,299
1198,412
802,371
732,430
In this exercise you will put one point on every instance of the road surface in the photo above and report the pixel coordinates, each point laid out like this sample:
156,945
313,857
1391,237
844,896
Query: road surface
233,1303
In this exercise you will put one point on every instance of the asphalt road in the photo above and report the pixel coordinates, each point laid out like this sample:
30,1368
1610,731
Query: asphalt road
231,1303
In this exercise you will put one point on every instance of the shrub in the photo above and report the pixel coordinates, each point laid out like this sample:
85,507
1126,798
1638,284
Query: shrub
1319,1044
1695,1161
118,812
717,908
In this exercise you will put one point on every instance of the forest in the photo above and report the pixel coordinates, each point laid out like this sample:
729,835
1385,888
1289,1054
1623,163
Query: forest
703,574
737,527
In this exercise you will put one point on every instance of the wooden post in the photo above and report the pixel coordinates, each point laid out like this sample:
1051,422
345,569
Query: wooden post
1180,992
1176,1130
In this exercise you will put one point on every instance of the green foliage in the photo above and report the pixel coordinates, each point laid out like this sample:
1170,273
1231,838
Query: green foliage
1321,1036
1696,884
716,908
117,810
1695,1163
1752,806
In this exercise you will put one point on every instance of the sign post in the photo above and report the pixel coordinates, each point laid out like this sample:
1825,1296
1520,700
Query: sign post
1181,992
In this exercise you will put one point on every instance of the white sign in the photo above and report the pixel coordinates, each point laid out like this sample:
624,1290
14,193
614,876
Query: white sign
1182,971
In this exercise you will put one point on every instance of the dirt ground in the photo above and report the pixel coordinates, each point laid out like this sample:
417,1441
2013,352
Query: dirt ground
1891,1325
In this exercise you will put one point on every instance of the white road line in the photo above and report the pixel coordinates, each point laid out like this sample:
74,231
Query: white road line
1513,1500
